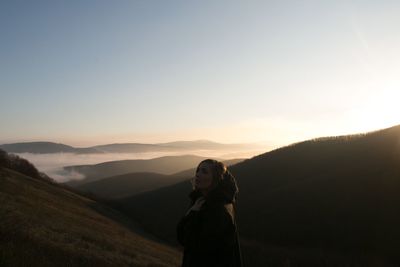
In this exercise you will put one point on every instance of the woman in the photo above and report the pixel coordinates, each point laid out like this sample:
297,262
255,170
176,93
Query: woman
208,230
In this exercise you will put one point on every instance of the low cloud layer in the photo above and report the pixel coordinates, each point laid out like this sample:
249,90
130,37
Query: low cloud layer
52,164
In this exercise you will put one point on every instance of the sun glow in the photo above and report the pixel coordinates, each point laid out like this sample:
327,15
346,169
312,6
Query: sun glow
377,110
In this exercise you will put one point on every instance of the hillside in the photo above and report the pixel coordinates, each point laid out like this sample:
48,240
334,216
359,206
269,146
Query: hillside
133,183
43,224
326,202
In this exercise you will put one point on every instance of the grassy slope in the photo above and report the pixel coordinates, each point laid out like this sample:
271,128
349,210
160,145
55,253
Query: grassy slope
45,225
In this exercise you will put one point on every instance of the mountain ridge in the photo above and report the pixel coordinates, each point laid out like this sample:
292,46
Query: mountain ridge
43,147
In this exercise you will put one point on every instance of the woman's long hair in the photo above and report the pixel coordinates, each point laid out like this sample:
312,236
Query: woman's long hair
218,170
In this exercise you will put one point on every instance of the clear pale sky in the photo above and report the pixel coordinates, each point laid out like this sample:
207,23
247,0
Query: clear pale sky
91,72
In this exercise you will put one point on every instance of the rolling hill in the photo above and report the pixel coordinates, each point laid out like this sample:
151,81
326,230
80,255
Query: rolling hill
44,224
164,165
329,201
133,183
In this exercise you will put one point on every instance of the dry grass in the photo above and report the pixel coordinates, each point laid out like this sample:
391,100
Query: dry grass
46,225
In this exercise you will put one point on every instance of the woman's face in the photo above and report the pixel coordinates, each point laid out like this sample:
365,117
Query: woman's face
204,178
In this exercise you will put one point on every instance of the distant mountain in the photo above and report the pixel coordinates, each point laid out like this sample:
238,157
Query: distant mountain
44,224
179,146
163,165
44,147
134,148
207,145
133,183
330,201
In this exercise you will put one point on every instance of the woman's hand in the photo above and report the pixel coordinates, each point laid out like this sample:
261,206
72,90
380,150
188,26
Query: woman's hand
197,205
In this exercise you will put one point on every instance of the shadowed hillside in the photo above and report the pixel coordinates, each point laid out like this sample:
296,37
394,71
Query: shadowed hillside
138,182
43,224
324,202
162,165
127,184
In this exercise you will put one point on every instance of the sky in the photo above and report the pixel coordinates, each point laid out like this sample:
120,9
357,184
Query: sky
275,72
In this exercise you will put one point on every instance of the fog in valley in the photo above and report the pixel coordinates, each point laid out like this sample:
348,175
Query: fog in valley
52,164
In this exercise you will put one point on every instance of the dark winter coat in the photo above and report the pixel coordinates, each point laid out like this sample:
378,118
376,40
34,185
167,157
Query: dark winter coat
209,236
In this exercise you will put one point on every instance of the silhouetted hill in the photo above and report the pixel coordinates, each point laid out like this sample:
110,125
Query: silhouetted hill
44,224
324,202
137,182
163,165
178,146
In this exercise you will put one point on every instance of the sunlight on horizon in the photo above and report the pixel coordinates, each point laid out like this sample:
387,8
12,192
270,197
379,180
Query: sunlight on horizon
377,112
243,75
